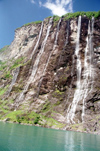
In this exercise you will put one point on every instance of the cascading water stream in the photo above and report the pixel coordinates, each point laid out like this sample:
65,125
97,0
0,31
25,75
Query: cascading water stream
18,69
35,66
55,44
57,32
86,74
91,47
67,40
67,36
16,73
88,71
71,112
37,40
83,86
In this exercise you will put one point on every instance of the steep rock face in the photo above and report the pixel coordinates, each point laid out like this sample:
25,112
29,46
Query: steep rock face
40,79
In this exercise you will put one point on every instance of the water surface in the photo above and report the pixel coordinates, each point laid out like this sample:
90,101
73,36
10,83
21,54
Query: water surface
15,137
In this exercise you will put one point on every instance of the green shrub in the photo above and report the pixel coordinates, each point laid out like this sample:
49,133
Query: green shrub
97,14
3,90
46,106
14,115
8,75
2,65
37,119
56,18
18,119
17,63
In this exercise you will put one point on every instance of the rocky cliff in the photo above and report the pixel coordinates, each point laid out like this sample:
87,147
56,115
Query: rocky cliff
50,74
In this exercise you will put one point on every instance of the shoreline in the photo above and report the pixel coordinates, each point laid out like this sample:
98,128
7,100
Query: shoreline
94,133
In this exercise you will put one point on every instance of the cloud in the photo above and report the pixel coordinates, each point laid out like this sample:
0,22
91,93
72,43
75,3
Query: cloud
40,3
58,7
32,1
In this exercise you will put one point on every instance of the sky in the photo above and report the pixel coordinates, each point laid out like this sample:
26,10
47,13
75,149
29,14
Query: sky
15,13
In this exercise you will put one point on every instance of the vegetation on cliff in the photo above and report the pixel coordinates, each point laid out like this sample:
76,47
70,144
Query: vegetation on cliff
31,23
67,16
35,22
76,14
4,48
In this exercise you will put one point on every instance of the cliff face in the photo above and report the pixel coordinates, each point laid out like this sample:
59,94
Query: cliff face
50,75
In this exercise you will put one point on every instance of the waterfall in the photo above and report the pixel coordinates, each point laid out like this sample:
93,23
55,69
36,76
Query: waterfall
16,73
57,32
55,44
88,70
66,41
85,86
67,35
35,66
91,46
37,40
71,112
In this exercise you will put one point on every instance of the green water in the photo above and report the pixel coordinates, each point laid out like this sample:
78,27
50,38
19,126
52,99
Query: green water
15,137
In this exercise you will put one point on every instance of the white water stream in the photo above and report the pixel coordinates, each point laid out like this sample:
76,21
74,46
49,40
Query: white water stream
16,73
83,86
88,69
67,35
37,40
35,66
71,112
66,41
55,44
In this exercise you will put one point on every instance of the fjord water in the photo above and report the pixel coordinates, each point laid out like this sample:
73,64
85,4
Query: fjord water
15,137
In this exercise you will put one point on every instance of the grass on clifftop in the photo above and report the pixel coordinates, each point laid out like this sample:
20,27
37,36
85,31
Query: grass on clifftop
36,22
31,23
76,14
68,16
